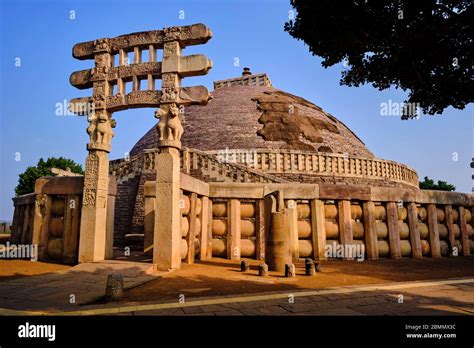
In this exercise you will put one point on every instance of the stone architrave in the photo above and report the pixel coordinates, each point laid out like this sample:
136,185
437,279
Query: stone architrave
99,108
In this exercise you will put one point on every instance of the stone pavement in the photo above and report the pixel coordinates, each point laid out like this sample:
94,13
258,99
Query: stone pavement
412,298
439,297
86,282
448,297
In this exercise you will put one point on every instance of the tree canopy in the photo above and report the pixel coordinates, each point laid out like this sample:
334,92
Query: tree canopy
26,182
428,184
421,46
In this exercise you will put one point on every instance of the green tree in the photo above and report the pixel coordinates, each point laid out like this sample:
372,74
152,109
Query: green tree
423,47
428,184
26,182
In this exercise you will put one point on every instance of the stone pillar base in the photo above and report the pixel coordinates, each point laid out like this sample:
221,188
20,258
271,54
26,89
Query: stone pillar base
167,229
94,208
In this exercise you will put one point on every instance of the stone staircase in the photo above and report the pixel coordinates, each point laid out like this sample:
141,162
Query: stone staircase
196,163
208,168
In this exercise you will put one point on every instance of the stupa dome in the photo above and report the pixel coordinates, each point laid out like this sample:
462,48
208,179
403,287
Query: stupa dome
254,115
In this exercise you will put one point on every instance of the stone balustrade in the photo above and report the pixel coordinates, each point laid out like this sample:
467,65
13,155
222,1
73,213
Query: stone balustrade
318,164
378,222
192,160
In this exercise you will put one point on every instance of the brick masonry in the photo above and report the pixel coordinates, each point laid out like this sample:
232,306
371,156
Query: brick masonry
232,120
124,209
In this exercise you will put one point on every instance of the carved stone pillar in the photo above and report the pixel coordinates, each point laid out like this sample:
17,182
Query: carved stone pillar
94,208
96,180
167,229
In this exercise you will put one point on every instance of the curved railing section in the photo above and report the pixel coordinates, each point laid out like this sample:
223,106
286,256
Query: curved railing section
318,164
193,162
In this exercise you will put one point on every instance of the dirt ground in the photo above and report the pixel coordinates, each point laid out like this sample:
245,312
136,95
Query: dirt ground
12,269
218,277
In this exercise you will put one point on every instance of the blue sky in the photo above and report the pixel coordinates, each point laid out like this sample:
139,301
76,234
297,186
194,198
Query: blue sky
42,34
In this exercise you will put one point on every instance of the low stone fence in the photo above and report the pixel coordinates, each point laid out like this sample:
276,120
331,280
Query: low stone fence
196,218
231,220
50,218
388,222
23,217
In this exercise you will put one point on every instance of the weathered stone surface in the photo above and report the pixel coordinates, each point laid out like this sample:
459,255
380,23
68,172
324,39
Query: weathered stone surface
310,270
205,126
188,35
263,270
290,270
244,266
282,121
59,185
114,287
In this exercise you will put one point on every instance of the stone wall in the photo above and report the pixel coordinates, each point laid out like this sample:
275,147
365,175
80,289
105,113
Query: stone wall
124,209
139,206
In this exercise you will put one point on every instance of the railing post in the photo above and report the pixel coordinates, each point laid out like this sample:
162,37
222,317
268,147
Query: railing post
318,229
434,231
345,224
466,247
414,231
393,232
370,229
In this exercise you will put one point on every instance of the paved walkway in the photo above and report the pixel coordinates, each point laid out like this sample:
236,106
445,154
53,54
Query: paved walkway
67,289
441,297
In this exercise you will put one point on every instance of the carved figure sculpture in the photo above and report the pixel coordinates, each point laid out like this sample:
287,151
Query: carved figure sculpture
91,130
104,129
169,127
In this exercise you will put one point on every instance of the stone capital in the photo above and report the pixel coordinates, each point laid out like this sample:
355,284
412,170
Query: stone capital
99,146
169,143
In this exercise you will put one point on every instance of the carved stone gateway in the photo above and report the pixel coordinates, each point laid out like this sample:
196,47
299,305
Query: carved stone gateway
108,82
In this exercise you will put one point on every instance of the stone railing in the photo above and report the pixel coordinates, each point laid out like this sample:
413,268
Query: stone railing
318,164
125,169
390,222
23,218
210,166
192,162
50,218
